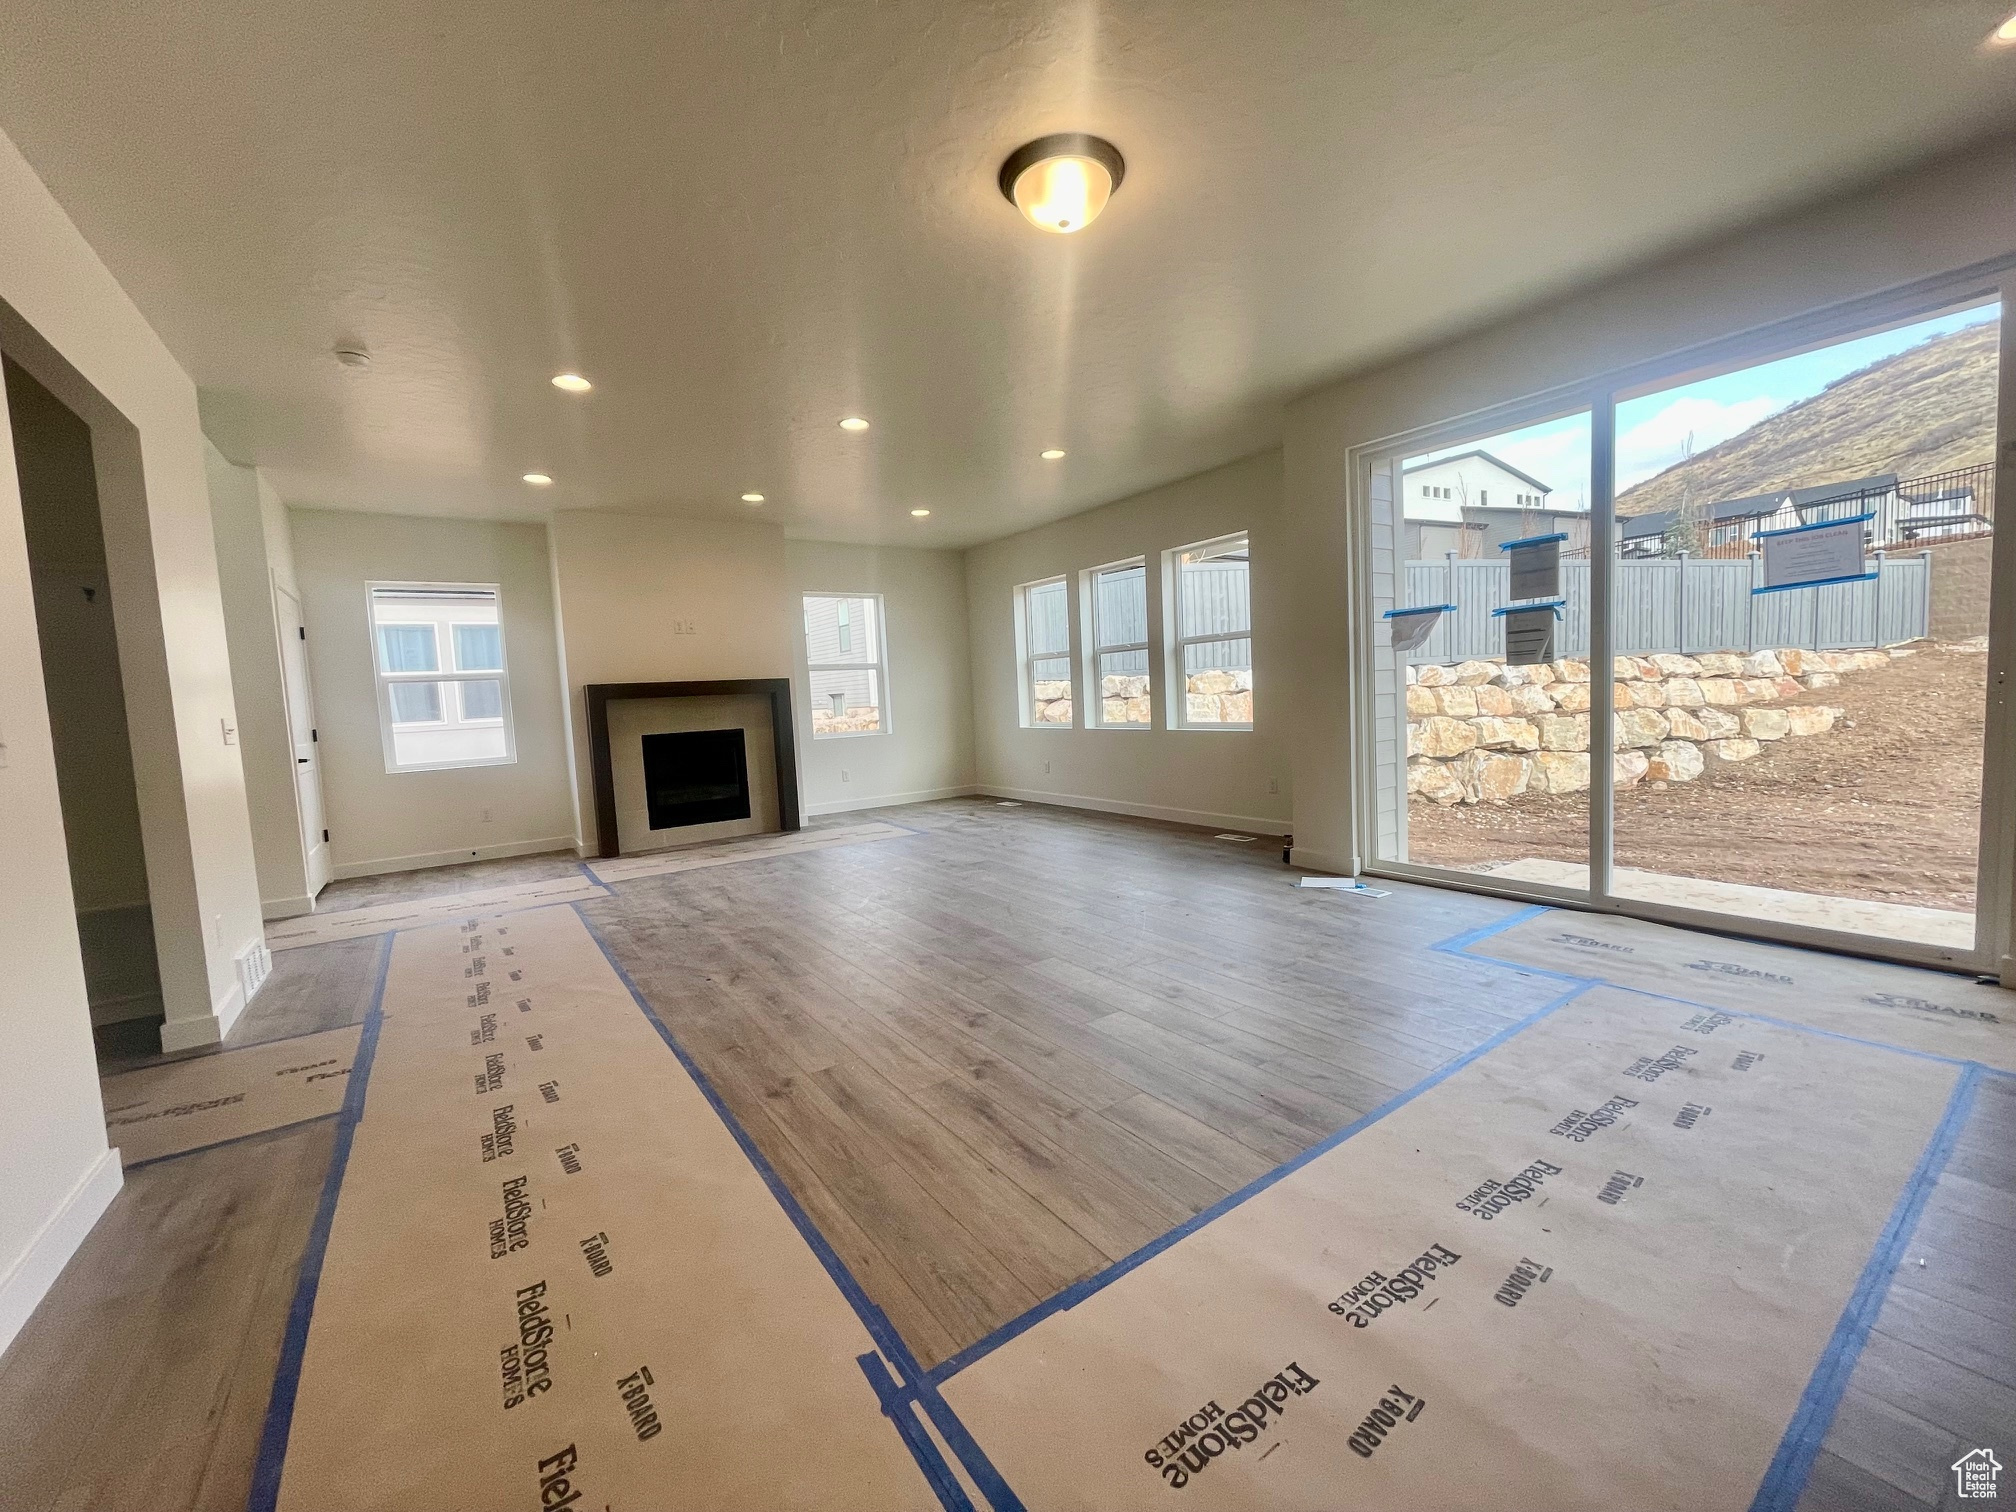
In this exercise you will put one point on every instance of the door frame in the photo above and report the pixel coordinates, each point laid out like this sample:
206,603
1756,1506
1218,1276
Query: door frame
316,863
1991,951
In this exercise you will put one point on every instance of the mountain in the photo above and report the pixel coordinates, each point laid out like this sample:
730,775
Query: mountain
1928,409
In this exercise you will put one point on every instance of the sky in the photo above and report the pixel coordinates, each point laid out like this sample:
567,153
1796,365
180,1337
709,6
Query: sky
1652,431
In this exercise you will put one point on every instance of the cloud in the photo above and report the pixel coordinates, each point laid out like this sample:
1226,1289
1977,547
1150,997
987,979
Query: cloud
1655,443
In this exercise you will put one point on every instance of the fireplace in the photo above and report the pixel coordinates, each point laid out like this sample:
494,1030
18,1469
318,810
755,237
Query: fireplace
681,763
696,777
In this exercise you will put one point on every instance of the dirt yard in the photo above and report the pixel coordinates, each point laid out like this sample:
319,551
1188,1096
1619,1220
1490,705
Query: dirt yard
1886,806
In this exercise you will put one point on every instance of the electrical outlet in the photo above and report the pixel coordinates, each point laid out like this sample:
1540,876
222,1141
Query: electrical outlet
486,816
1273,784
217,931
843,775
1046,769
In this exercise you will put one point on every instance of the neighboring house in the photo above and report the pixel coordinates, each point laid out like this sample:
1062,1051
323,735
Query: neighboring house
1473,502
1730,527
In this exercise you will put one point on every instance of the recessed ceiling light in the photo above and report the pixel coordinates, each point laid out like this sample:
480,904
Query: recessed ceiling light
1062,182
752,498
919,513
853,423
573,383
538,480
2004,35
1055,454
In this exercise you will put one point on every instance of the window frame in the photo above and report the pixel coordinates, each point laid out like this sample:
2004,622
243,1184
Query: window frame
879,666
1097,648
384,681
1027,656
1178,677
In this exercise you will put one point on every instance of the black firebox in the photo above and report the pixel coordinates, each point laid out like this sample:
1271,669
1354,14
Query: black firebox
696,777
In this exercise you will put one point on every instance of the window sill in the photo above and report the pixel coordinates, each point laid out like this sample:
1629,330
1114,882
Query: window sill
850,734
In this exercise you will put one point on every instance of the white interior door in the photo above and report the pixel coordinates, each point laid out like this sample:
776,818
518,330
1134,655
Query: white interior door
302,731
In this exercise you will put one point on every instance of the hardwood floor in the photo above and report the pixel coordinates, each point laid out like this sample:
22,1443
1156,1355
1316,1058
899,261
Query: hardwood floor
1000,1056
988,1060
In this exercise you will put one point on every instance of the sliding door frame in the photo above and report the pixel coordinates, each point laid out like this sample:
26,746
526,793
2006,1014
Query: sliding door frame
1600,396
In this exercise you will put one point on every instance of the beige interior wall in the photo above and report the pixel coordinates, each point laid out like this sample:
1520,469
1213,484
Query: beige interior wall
1952,215
249,558
389,821
645,598
927,750
63,316
1223,778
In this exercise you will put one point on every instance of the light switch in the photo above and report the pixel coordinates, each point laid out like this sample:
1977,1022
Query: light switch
230,731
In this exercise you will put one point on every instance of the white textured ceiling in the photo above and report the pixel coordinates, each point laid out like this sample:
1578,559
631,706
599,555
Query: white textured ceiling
745,220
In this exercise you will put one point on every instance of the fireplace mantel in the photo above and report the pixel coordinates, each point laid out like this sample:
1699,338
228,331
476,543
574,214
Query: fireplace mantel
600,695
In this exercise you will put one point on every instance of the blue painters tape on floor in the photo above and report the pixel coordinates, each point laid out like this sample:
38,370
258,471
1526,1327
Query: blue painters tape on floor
897,1406
1460,945
1078,1291
880,1329
1785,1481
294,1342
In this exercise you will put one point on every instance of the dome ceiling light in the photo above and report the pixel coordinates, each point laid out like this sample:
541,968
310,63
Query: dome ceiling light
1061,182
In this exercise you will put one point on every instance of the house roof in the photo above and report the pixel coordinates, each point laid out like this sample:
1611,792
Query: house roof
1756,506
1496,461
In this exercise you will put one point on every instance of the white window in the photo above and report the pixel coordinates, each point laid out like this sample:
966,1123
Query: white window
1213,649
1044,610
844,664
1119,601
444,696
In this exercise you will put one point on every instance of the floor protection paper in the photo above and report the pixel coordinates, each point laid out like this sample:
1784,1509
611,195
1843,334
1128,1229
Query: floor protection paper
554,1279
627,868
350,923
1593,1268
207,1099
1928,1011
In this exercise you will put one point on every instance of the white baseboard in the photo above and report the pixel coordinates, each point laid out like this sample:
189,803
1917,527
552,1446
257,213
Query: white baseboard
125,1008
386,864
286,908
27,1280
889,800
1322,861
1246,823
195,1033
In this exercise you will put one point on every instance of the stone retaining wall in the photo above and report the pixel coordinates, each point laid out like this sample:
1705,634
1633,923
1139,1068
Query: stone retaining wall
1481,731
1214,698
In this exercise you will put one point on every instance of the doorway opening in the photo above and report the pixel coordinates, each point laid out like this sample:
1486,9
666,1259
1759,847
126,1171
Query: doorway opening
76,631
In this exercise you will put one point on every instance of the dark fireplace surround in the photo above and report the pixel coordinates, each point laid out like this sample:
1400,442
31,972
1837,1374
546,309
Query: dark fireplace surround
600,695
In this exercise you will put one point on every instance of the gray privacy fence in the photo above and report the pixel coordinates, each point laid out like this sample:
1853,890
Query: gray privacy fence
1682,604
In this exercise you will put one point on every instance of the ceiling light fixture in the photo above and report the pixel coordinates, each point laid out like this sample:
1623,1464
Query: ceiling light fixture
752,498
919,513
1055,454
1062,182
538,480
572,383
853,423
2004,35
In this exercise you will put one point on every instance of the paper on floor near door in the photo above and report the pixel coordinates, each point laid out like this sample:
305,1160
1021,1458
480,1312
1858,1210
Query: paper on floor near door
1594,1268
187,1104
348,924
551,1261
626,868
1896,1005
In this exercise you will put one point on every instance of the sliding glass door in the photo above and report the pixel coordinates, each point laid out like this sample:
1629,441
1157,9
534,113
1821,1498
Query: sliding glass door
1715,648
